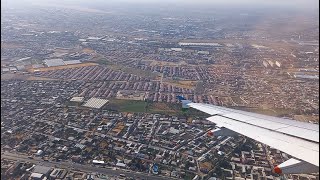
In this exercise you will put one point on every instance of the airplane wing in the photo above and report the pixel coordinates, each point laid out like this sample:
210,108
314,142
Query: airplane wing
298,139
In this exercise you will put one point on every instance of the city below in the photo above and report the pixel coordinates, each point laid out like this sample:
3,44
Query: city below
90,93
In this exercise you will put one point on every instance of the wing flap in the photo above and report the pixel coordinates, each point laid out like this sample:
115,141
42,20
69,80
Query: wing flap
305,134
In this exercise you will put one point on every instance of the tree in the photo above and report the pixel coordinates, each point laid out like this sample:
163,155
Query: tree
218,171
225,164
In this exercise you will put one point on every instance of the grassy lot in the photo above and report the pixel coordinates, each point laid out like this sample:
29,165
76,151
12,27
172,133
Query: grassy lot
126,105
103,61
160,108
123,105
174,109
135,106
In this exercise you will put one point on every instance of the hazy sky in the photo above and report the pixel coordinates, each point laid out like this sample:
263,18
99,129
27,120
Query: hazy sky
231,2
297,4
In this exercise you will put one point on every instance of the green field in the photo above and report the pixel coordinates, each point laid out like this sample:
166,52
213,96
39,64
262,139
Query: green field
104,62
126,105
122,105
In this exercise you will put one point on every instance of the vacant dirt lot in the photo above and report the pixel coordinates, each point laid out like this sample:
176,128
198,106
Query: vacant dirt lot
62,67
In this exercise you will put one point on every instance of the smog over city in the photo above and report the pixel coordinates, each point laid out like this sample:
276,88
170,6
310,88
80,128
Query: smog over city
98,89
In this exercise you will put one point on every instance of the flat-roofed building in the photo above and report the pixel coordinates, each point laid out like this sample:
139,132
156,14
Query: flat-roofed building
77,99
95,103
54,62
42,170
72,62
37,176
37,66
58,173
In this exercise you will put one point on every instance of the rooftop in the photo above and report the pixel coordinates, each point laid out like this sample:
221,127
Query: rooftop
41,169
72,62
54,62
77,99
95,103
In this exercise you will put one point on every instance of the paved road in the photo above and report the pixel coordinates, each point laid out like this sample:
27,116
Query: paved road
84,168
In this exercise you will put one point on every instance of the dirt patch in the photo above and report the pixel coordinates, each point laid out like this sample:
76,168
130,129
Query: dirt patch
10,76
306,118
88,50
25,77
161,107
183,84
206,165
10,45
162,63
62,67
34,78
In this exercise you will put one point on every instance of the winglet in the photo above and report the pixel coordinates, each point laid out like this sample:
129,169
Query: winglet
184,102
181,98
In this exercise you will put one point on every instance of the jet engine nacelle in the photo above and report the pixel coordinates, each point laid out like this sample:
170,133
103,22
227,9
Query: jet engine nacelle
294,166
221,132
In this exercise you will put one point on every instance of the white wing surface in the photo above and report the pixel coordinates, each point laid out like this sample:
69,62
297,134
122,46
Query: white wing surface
298,139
